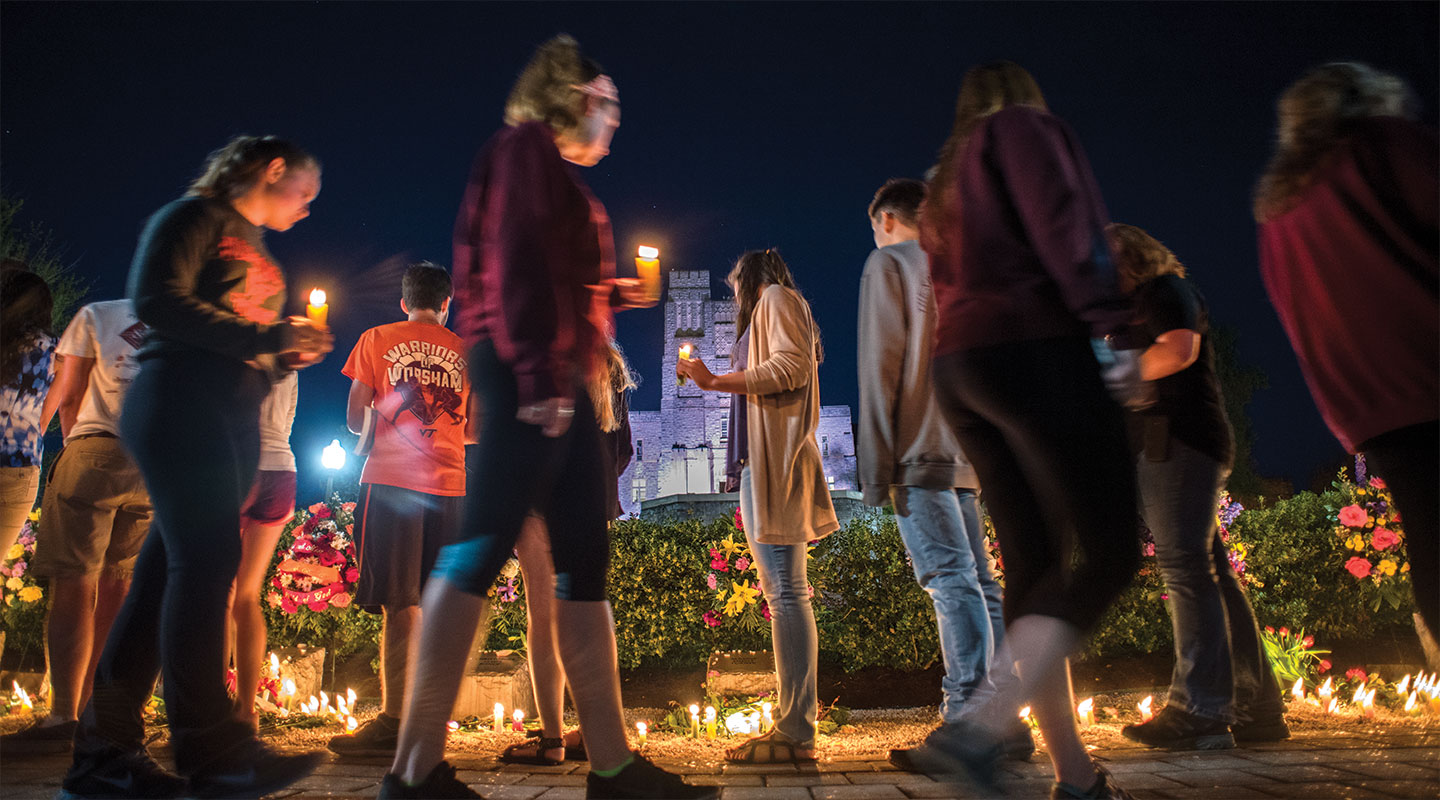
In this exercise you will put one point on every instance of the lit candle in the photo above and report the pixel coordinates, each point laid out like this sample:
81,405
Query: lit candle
287,692
453,725
694,721
351,724
1146,714
519,721
641,729
499,717
647,266
1403,686
318,310
685,350
709,722
767,717
1086,710
1298,690
1326,689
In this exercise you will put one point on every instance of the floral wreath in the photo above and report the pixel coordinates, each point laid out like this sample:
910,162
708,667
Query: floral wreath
317,571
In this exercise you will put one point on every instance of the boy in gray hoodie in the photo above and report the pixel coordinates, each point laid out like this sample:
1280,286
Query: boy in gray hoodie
908,455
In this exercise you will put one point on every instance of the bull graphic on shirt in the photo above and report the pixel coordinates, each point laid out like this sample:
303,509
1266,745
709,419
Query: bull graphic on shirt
428,381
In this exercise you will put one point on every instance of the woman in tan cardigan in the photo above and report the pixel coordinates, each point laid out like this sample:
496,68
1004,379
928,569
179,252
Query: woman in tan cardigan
773,459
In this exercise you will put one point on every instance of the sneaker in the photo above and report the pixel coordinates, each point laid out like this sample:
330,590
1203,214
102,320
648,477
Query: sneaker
39,738
642,779
956,749
1174,729
378,737
1270,729
252,769
1019,743
114,773
1102,790
440,783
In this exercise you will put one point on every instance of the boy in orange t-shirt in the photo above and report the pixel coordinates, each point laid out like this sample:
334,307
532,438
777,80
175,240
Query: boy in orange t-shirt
411,391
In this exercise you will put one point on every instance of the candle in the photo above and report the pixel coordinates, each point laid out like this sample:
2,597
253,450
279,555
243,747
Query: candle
1403,686
1298,690
318,310
1144,705
519,718
641,729
453,725
694,721
709,722
1326,689
647,266
1086,710
351,724
685,350
499,717
766,717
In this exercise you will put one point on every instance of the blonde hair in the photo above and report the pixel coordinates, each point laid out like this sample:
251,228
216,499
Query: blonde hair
1140,257
1314,114
608,382
230,171
547,89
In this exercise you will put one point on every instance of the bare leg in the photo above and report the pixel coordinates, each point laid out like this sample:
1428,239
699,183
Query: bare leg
70,640
546,673
257,546
400,627
110,594
586,635
445,638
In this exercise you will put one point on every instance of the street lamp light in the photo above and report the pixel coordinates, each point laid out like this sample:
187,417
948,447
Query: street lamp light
333,459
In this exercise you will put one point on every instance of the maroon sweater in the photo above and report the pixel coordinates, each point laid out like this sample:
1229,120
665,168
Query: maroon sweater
1351,269
534,259
1023,255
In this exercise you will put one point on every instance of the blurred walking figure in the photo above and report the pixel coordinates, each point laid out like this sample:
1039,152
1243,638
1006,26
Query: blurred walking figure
1222,682
1028,373
908,454
1349,237
212,298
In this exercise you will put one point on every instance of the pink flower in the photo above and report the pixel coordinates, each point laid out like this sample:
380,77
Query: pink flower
765,610
718,560
1352,516
18,569
742,563
1376,483
711,618
710,581
1355,674
1148,549
317,605
739,523
352,575
1324,665
341,600
1359,567
1383,539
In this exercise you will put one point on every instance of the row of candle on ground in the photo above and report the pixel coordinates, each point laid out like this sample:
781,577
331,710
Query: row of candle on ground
1421,693
761,721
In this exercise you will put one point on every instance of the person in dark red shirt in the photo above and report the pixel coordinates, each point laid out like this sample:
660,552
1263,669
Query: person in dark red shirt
1349,214
534,286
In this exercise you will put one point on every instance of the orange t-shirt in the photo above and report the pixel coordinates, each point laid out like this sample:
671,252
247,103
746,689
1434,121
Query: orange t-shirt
422,390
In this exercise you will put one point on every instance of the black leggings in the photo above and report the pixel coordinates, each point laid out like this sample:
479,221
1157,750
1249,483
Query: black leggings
1048,445
1408,460
192,423
514,469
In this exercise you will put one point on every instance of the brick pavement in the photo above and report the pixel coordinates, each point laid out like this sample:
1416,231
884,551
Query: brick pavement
1402,763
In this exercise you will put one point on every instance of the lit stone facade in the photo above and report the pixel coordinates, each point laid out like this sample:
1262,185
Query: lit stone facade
680,449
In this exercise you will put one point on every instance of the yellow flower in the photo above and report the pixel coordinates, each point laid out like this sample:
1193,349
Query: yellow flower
741,596
35,514
1380,522
30,594
1385,567
730,547
1405,567
1356,542
16,550
14,584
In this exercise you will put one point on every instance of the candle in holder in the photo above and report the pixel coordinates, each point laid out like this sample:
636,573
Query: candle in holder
499,717
709,722
641,730
694,721
318,310
1086,711
767,716
647,266
685,350
519,718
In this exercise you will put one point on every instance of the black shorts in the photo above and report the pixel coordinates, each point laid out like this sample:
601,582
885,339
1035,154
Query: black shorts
398,533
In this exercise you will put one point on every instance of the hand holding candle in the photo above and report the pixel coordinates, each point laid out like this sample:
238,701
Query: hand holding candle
318,311
647,267
685,350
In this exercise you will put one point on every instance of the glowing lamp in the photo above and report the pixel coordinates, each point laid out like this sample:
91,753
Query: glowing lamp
333,456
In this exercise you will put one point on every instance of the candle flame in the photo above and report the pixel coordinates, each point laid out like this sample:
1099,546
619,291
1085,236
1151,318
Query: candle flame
274,664
694,710
1403,686
350,697
351,724
1087,706
1410,702
1334,706
685,350
499,710
1326,689
1369,700
709,713
317,297
641,728
325,701
453,725
647,252
1145,708
518,716
1025,712
1359,695
287,687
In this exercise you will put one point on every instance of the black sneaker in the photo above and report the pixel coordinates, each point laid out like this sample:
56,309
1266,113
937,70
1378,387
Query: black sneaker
1019,743
1269,729
252,769
642,779
440,783
956,749
114,773
38,739
378,737
1173,729
1102,790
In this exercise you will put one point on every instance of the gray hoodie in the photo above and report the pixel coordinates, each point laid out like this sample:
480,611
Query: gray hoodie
902,439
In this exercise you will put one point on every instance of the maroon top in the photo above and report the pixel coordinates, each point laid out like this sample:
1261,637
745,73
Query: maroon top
1351,269
1024,252
534,260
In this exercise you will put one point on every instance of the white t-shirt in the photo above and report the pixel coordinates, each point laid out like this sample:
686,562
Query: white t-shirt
277,414
110,333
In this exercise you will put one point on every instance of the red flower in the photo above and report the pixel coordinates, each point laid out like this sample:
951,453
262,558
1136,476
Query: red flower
739,523
1359,567
1383,539
1355,674
711,618
1269,629
718,560
1352,516
1324,666
1308,643
1376,483
1284,631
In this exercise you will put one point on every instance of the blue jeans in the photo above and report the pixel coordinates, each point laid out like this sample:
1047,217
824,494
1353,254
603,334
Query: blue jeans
792,626
1220,665
945,538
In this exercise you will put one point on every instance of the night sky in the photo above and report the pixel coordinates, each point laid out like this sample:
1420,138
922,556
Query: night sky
744,126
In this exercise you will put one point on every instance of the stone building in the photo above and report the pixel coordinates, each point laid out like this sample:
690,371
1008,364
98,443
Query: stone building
680,449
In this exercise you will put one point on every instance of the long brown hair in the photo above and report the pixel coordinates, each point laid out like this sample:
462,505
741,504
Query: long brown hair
26,305
546,90
751,273
1140,257
234,168
1314,114
608,384
986,89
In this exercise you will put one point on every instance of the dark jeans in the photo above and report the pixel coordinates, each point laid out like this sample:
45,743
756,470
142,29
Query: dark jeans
1049,446
515,469
1408,460
192,423
1220,668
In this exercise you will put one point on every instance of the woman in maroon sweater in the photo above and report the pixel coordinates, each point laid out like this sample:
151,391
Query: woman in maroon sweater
1028,300
534,282
1349,234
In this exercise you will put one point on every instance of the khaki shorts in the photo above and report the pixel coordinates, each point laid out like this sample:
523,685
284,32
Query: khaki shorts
95,512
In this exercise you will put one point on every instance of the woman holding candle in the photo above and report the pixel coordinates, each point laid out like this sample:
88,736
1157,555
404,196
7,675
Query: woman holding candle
774,460
212,297
534,266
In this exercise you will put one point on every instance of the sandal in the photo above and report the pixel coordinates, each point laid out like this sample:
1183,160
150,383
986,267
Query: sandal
770,748
539,745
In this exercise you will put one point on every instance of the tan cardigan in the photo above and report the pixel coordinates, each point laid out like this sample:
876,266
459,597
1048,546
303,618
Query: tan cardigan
782,393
